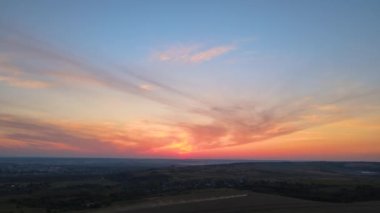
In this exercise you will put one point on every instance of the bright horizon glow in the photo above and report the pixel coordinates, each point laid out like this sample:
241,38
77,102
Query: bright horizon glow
263,80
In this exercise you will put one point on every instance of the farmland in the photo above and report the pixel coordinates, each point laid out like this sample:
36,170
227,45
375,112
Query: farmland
140,185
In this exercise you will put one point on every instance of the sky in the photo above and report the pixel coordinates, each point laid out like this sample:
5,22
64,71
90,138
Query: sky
264,80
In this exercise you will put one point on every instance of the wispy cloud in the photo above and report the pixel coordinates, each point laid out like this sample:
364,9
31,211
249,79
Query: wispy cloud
193,53
14,76
211,53
60,68
62,137
147,87
177,53
29,84
227,125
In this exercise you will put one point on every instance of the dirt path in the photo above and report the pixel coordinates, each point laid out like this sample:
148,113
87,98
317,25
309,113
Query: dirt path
160,203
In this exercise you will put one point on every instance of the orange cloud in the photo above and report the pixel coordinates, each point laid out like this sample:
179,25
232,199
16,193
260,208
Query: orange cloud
36,136
230,128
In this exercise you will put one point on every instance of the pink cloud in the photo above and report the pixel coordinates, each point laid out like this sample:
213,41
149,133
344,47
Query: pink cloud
210,53
193,54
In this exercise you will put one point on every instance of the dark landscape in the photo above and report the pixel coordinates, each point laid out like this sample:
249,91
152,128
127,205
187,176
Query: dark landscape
149,185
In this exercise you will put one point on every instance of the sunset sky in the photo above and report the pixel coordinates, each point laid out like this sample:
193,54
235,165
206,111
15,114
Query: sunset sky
266,80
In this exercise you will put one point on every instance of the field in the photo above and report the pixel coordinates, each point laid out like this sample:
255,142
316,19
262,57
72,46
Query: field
253,202
138,185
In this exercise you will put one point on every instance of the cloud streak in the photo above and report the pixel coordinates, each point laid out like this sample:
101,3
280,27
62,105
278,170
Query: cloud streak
13,76
61,68
22,83
211,53
79,138
193,54
236,125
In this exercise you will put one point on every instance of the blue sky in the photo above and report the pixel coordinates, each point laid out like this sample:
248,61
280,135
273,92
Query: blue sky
188,64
